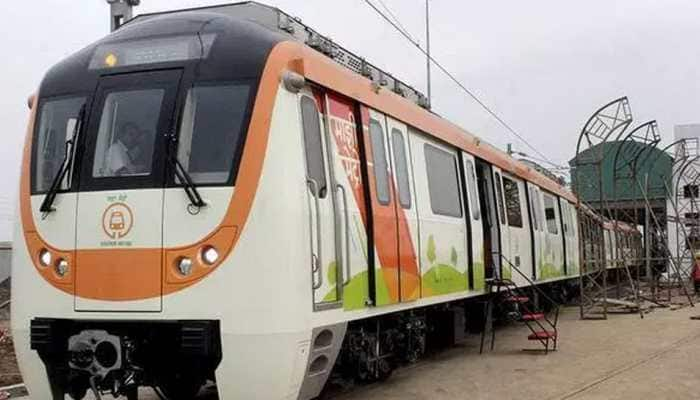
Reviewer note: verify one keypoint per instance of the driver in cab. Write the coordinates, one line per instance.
(126, 156)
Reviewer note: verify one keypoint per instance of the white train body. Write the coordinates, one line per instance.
(328, 201)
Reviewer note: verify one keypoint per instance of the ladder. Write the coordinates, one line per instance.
(505, 296)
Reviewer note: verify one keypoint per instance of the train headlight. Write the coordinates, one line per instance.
(210, 255)
(62, 267)
(184, 266)
(45, 257)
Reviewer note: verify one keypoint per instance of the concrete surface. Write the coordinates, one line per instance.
(624, 358)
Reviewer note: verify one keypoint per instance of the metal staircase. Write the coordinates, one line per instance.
(511, 303)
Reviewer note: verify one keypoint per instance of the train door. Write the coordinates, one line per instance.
(351, 199)
(444, 252)
(120, 198)
(322, 204)
(406, 210)
(505, 256)
(575, 241)
(475, 220)
(518, 225)
(489, 219)
(570, 244)
(553, 266)
(538, 234)
(384, 271)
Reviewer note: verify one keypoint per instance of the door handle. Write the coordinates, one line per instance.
(346, 228)
(316, 259)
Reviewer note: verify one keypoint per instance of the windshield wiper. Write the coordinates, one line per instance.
(47, 204)
(184, 177)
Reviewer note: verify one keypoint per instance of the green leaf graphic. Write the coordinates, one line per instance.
(431, 249)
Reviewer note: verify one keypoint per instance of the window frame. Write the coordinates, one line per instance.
(72, 176)
(105, 152)
(397, 133)
(517, 222)
(169, 80)
(554, 209)
(323, 185)
(383, 200)
(499, 198)
(472, 189)
(431, 189)
(533, 209)
(242, 135)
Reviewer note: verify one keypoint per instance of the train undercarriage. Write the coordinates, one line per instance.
(176, 358)
(374, 348)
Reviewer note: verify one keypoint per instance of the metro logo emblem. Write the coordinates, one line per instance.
(117, 220)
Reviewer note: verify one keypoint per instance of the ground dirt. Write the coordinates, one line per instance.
(9, 374)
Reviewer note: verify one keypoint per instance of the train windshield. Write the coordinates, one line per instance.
(56, 126)
(127, 133)
(211, 131)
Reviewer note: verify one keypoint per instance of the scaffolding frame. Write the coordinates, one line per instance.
(614, 117)
(634, 149)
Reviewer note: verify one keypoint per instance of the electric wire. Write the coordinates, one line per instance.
(454, 79)
(397, 21)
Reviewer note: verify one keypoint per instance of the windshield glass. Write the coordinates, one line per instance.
(211, 131)
(56, 126)
(127, 133)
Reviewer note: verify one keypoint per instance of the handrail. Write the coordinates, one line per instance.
(346, 226)
(316, 264)
(540, 291)
(530, 281)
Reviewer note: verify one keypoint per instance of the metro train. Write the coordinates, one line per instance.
(206, 197)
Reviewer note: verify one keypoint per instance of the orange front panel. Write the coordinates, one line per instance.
(118, 275)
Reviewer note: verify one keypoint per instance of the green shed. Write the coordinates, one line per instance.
(635, 161)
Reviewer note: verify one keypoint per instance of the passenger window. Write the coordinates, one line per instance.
(533, 208)
(471, 179)
(315, 166)
(551, 214)
(56, 126)
(513, 210)
(539, 209)
(499, 199)
(211, 131)
(401, 168)
(381, 168)
(568, 226)
(443, 182)
(127, 133)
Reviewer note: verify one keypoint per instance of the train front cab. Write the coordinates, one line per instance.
(142, 161)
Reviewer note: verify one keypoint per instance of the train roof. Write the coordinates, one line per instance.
(276, 20)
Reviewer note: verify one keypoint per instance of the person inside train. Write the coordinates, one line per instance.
(126, 156)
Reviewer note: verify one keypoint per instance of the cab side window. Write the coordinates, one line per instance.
(313, 147)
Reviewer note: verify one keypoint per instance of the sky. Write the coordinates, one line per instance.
(544, 66)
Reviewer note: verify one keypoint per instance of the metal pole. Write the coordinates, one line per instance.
(121, 11)
(427, 40)
(647, 235)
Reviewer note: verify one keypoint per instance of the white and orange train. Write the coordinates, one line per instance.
(209, 195)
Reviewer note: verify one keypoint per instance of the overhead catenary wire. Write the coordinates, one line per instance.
(398, 27)
(402, 28)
